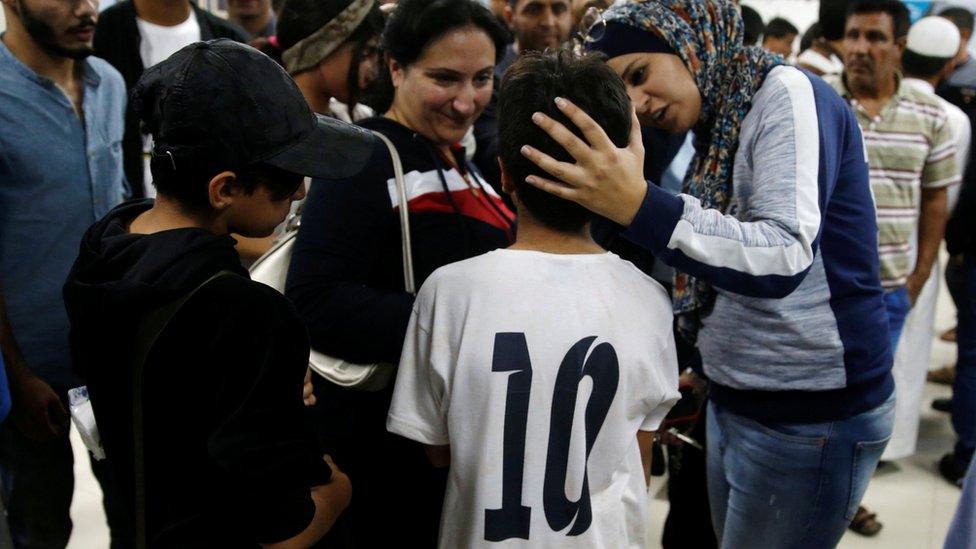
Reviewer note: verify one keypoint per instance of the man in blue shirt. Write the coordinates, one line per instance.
(61, 124)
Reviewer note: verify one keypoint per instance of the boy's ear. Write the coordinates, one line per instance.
(222, 190)
(508, 186)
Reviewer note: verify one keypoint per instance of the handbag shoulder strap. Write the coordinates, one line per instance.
(408, 279)
(147, 334)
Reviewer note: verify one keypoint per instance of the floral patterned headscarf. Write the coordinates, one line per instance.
(707, 36)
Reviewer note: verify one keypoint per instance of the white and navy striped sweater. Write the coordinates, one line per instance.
(799, 331)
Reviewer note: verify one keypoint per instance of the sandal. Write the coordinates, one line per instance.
(945, 375)
(865, 523)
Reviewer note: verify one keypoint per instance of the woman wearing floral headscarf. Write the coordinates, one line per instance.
(776, 242)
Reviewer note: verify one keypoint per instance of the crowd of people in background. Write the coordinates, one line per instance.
(529, 253)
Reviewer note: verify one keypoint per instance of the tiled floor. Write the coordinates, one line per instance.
(912, 501)
(909, 496)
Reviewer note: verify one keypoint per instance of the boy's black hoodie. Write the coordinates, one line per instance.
(229, 456)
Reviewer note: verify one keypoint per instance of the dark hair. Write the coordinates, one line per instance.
(754, 26)
(813, 33)
(833, 18)
(415, 24)
(780, 28)
(188, 184)
(922, 66)
(530, 85)
(901, 19)
(960, 17)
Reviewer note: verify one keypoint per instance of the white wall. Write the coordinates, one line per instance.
(802, 13)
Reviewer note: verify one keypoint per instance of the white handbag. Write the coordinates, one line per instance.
(272, 269)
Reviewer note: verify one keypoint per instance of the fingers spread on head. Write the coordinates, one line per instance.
(556, 188)
(563, 171)
(576, 147)
(636, 139)
(591, 130)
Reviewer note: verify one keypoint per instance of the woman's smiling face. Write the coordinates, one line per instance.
(443, 92)
(662, 89)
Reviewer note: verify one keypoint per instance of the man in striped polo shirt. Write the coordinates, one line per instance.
(910, 150)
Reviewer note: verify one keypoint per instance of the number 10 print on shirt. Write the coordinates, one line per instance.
(511, 354)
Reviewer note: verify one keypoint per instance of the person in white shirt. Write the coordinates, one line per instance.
(157, 43)
(133, 35)
(926, 63)
(538, 373)
(931, 45)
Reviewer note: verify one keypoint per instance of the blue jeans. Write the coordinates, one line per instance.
(962, 531)
(898, 306)
(961, 280)
(790, 485)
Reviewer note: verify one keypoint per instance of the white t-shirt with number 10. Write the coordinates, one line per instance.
(538, 370)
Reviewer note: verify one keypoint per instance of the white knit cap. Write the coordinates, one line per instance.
(934, 36)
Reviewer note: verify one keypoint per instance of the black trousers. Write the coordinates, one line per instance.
(397, 495)
(689, 522)
(38, 485)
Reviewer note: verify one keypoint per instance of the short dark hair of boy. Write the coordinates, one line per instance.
(833, 18)
(189, 183)
(531, 85)
(813, 33)
(901, 19)
(780, 28)
(753, 26)
(961, 17)
(922, 66)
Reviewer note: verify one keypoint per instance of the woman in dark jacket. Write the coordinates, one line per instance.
(346, 275)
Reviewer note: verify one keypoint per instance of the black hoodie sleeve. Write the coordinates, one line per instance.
(261, 439)
(346, 275)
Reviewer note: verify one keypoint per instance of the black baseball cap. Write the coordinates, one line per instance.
(226, 105)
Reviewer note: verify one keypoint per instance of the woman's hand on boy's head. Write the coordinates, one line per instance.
(605, 179)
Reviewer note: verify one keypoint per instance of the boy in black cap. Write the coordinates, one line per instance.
(202, 419)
